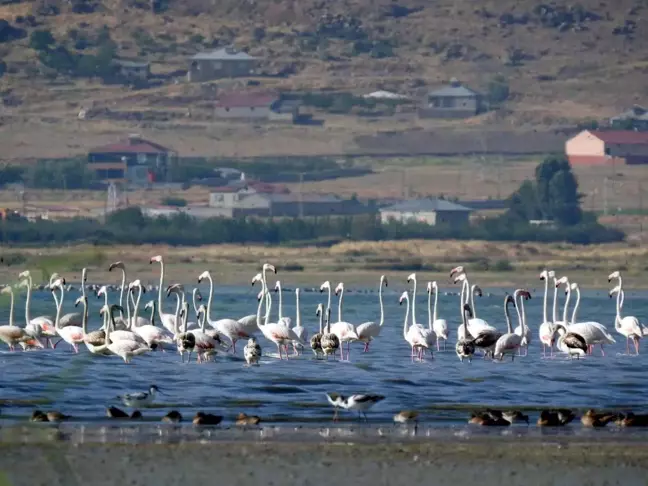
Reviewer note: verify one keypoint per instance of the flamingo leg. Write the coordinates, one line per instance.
(627, 345)
(366, 347)
(438, 346)
(348, 350)
(602, 351)
(234, 346)
(636, 343)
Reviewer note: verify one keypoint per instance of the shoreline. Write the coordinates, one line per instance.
(489, 462)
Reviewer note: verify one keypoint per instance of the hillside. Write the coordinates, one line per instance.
(564, 63)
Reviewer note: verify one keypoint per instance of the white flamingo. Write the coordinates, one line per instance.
(73, 335)
(41, 325)
(275, 332)
(299, 330)
(475, 324)
(428, 332)
(345, 331)
(628, 326)
(414, 335)
(593, 332)
(547, 330)
(125, 349)
(510, 342)
(95, 341)
(439, 326)
(167, 320)
(12, 334)
(231, 328)
(522, 329)
(368, 331)
(286, 321)
(151, 334)
(249, 322)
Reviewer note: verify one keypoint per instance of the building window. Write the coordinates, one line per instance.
(226, 109)
(141, 158)
(607, 151)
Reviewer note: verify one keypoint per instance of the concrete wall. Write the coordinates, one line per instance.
(449, 107)
(204, 70)
(243, 112)
(453, 218)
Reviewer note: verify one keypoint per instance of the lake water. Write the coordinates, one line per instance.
(292, 391)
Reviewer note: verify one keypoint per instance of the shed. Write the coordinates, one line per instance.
(227, 62)
(430, 211)
(593, 147)
(452, 101)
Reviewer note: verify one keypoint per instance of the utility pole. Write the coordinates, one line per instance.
(605, 196)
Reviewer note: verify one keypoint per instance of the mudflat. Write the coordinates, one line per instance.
(486, 462)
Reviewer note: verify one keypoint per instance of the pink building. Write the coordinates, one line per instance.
(591, 147)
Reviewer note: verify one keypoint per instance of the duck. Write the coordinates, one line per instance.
(243, 419)
(136, 415)
(632, 420)
(515, 416)
(555, 418)
(593, 419)
(116, 413)
(173, 417)
(38, 416)
(202, 418)
(56, 416)
(488, 418)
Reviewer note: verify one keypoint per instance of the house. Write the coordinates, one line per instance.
(261, 200)
(221, 63)
(256, 106)
(431, 211)
(133, 70)
(635, 118)
(453, 101)
(591, 147)
(384, 95)
(131, 160)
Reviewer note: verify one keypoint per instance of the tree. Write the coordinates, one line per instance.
(523, 203)
(557, 191)
(498, 90)
(41, 40)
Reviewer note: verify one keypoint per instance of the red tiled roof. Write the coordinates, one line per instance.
(140, 146)
(629, 137)
(246, 100)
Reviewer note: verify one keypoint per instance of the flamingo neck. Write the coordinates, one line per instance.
(508, 317)
(268, 308)
(280, 300)
(544, 302)
(414, 303)
(517, 307)
(11, 308)
(472, 301)
(136, 304)
(297, 311)
(436, 301)
(121, 292)
(152, 319)
(575, 311)
(321, 321)
(340, 304)
(380, 300)
(555, 302)
(84, 317)
(59, 304)
(209, 299)
(128, 312)
(406, 318)
(177, 314)
(28, 301)
(429, 305)
(566, 322)
(618, 308)
(160, 304)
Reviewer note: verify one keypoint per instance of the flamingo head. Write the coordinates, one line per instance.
(411, 278)
(25, 274)
(156, 259)
(429, 288)
(325, 286)
(24, 283)
(509, 300)
(202, 311)
(339, 288)
(477, 290)
(616, 274)
(277, 286)
(134, 284)
(544, 275)
(457, 270)
(573, 286)
(268, 266)
(404, 297)
(119, 265)
(383, 280)
(84, 275)
(259, 295)
(149, 305)
(460, 278)
(551, 274)
(257, 278)
(297, 291)
(524, 293)
(102, 291)
(614, 291)
(205, 274)
(103, 310)
(7, 289)
(177, 288)
(468, 310)
(58, 283)
(320, 310)
(561, 281)
(80, 300)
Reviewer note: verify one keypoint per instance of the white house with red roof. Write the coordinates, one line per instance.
(594, 147)
(256, 106)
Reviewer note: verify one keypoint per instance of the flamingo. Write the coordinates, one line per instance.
(522, 329)
(316, 339)
(299, 330)
(345, 331)
(96, 340)
(204, 344)
(628, 326)
(465, 347)
(439, 326)
(593, 332)
(167, 320)
(570, 342)
(151, 334)
(41, 325)
(414, 335)
(12, 334)
(286, 321)
(74, 318)
(546, 330)
(428, 334)
(329, 342)
(475, 323)
(510, 342)
(368, 331)
(249, 322)
(73, 335)
(231, 328)
(120, 265)
(125, 349)
(275, 332)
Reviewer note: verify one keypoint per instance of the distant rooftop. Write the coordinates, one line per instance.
(455, 89)
(246, 100)
(133, 144)
(627, 137)
(416, 205)
(223, 54)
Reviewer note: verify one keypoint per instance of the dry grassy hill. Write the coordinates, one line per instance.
(565, 62)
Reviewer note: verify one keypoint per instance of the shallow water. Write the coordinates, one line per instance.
(292, 392)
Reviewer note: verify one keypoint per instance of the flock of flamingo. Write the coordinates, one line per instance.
(125, 334)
